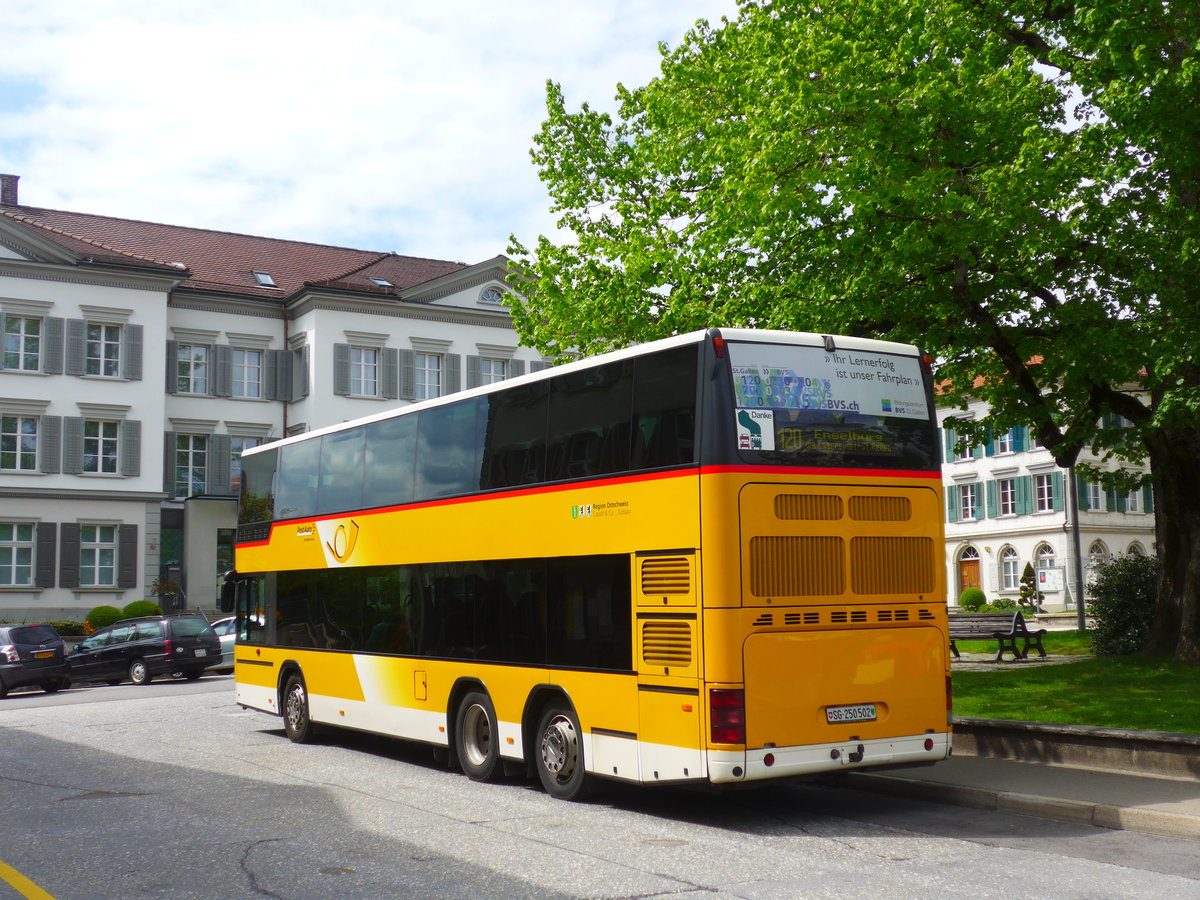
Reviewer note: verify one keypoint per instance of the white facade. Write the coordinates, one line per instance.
(126, 396)
(1008, 504)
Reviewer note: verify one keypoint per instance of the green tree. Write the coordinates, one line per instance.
(1012, 185)
(1030, 596)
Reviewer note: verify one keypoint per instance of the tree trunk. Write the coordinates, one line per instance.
(1175, 469)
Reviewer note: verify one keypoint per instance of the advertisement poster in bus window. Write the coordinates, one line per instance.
(850, 383)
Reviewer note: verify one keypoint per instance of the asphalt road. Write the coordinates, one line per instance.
(171, 791)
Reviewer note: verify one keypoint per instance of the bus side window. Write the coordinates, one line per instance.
(251, 621)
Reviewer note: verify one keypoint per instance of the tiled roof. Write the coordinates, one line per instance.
(226, 262)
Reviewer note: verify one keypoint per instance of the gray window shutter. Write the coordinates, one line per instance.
(72, 458)
(279, 375)
(50, 444)
(131, 447)
(516, 368)
(299, 371)
(43, 576)
(169, 463)
(474, 375)
(391, 373)
(990, 489)
(1081, 492)
(220, 456)
(68, 570)
(453, 373)
(222, 372)
(172, 366)
(52, 346)
(952, 504)
(538, 365)
(1148, 498)
(76, 363)
(127, 556)
(1025, 495)
(1056, 485)
(131, 352)
(408, 374)
(341, 369)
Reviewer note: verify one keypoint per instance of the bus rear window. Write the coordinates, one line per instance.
(798, 405)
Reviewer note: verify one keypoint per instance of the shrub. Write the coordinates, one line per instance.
(1122, 604)
(67, 627)
(141, 608)
(1004, 604)
(972, 598)
(1031, 597)
(102, 617)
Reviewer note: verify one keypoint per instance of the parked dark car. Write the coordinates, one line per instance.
(31, 654)
(140, 649)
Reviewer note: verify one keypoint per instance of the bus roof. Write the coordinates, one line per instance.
(762, 336)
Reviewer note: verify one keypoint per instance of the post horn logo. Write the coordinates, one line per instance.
(344, 539)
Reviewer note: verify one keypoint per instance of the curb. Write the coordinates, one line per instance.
(1146, 821)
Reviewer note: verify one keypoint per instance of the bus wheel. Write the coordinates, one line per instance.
(296, 721)
(477, 739)
(560, 753)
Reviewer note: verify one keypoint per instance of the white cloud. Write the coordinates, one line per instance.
(380, 124)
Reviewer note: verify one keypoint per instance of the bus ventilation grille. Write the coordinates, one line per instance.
(808, 507)
(666, 575)
(802, 566)
(844, 617)
(892, 565)
(880, 509)
(247, 534)
(667, 643)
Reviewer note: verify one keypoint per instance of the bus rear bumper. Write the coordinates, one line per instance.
(726, 767)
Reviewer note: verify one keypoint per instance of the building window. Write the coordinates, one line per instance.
(1044, 490)
(103, 353)
(968, 501)
(492, 370)
(1136, 549)
(191, 464)
(964, 453)
(1133, 501)
(364, 371)
(1010, 570)
(191, 369)
(18, 443)
(100, 443)
(22, 343)
(1095, 498)
(247, 373)
(1044, 557)
(428, 373)
(1097, 556)
(1006, 491)
(237, 446)
(264, 278)
(97, 555)
(492, 296)
(16, 554)
(1006, 443)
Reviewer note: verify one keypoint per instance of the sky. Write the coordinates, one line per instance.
(386, 125)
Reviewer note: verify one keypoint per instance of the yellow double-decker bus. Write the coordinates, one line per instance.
(714, 558)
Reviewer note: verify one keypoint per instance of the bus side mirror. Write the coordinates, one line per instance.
(228, 588)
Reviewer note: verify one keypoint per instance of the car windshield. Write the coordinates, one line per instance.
(33, 634)
(190, 627)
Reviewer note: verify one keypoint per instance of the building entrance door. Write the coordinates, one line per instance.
(969, 575)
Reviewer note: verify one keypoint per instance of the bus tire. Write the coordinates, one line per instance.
(558, 753)
(477, 737)
(297, 723)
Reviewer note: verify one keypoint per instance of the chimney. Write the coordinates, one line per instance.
(8, 189)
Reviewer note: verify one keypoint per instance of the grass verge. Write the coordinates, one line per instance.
(1113, 692)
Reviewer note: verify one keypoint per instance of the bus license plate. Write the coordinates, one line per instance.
(862, 713)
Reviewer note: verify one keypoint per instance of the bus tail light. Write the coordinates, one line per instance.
(719, 346)
(727, 714)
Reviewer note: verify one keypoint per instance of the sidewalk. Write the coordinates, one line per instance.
(1126, 801)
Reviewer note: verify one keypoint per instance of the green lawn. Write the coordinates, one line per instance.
(1115, 692)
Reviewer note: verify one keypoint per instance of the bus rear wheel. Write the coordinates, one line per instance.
(477, 739)
(559, 751)
(297, 723)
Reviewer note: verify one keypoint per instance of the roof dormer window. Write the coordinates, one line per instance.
(264, 279)
(382, 282)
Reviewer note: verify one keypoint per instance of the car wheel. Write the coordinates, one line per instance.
(559, 753)
(296, 720)
(113, 681)
(139, 672)
(193, 674)
(3, 689)
(52, 686)
(476, 737)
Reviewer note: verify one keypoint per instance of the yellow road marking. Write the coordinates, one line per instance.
(21, 884)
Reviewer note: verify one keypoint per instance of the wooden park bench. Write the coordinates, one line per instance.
(1004, 627)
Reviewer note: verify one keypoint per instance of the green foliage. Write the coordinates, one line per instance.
(1013, 186)
(1030, 597)
(68, 627)
(141, 608)
(1121, 601)
(102, 617)
(1004, 604)
(972, 598)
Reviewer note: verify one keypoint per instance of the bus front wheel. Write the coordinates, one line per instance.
(477, 737)
(297, 723)
(559, 752)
